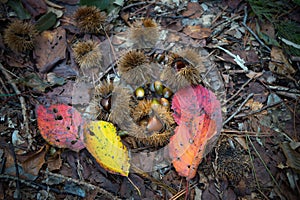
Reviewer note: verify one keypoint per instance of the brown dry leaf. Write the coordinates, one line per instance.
(35, 7)
(197, 32)
(194, 10)
(279, 64)
(55, 162)
(254, 105)
(50, 49)
(32, 162)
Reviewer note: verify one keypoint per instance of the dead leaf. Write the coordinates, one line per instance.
(254, 105)
(197, 32)
(280, 65)
(61, 125)
(50, 49)
(194, 10)
(33, 162)
(102, 141)
(198, 114)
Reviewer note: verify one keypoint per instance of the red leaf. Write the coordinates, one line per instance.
(198, 114)
(61, 126)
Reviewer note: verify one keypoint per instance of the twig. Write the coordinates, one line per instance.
(258, 111)
(33, 184)
(239, 61)
(265, 165)
(78, 182)
(49, 3)
(155, 181)
(233, 96)
(290, 43)
(22, 102)
(238, 110)
(249, 29)
(17, 192)
(182, 192)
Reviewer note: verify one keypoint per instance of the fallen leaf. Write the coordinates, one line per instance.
(50, 49)
(198, 114)
(197, 32)
(292, 156)
(33, 162)
(60, 125)
(194, 10)
(192, 102)
(102, 141)
(280, 65)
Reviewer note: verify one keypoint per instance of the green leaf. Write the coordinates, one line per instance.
(46, 21)
(17, 6)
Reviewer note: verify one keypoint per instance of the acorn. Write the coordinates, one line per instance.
(158, 87)
(167, 92)
(154, 124)
(165, 102)
(140, 93)
(155, 103)
(134, 68)
(106, 103)
(89, 19)
(20, 36)
(87, 54)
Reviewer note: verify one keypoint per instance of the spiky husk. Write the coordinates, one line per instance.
(89, 19)
(193, 57)
(103, 90)
(134, 68)
(187, 74)
(144, 33)
(87, 54)
(120, 107)
(143, 110)
(20, 36)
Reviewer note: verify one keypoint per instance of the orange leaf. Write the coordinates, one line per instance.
(60, 125)
(198, 114)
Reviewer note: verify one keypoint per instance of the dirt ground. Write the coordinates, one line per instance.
(247, 54)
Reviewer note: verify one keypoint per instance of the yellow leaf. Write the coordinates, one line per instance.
(105, 145)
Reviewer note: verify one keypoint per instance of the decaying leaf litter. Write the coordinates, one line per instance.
(250, 54)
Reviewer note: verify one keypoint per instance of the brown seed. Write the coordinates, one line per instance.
(155, 103)
(158, 87)
(164, 102)
(106, 103)
(154, 124)
(140, 93)
(167, 93)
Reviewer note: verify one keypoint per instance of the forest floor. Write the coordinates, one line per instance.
(250, 57)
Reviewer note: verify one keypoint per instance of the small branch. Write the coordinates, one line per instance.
(239, 61)
(88, 185)
(238, 110)
(233, 96)
(290, 43)
(249, 29)
(22, 102)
